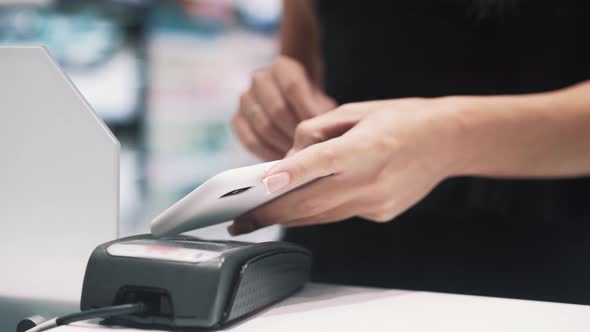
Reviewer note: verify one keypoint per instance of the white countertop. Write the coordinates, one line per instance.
(339, 308)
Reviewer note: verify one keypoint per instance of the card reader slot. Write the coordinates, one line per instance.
(158, 301)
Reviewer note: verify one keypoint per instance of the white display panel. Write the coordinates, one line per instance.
(59, 179)
(138, 249)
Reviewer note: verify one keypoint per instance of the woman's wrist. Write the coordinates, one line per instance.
(489, 132)
(452, 144)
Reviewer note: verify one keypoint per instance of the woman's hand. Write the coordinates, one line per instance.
(279, 98)
(371, 159)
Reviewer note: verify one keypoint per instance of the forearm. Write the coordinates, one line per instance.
(299, 36)
(535, 135)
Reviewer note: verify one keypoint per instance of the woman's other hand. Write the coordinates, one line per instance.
(279, 98)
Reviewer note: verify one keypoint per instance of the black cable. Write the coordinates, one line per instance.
(116, 310)
(30, 325)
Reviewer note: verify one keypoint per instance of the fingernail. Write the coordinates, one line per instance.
(276, 182)
(231, 230)
(240, 227)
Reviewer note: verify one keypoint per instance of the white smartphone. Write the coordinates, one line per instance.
(223, 197)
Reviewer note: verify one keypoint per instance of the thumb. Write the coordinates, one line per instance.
(314, 162)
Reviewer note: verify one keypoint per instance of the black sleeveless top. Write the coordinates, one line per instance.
(512, 238)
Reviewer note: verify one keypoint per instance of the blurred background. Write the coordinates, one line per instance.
(165, 76)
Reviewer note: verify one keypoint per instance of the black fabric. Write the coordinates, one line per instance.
(513, 238)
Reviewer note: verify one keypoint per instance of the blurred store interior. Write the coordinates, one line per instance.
(165, 76)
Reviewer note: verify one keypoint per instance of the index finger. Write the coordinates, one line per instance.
(314, 162)
(295, 87)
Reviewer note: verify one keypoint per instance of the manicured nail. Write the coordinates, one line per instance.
(240, 227)
(276, 182)
(231, 230)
